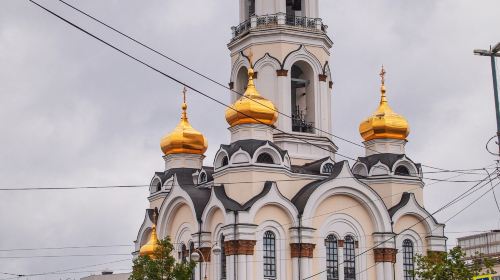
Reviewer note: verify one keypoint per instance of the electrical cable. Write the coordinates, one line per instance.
(493, 191)
(202, 75)
(185, 84)
(420, 221)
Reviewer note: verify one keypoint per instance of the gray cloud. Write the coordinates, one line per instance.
(77, 113)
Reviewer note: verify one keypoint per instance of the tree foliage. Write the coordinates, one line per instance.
(162, 266)
(452, 265)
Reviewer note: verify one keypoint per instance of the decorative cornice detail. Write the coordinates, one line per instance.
(302, 250)
(239, 247)
(385, 255)
(282, 73)
(205, 251)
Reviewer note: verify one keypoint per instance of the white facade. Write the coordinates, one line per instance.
(275, 198)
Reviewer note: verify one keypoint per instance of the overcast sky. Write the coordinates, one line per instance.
(74, 112)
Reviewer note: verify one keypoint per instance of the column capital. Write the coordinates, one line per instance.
(385, 255)
(302, 250)
(282, 73)
(239, 247)
(206, 252)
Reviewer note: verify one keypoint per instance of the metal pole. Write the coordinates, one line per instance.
(495, 91)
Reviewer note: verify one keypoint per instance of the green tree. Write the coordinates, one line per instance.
(161, 265)
(451, 265)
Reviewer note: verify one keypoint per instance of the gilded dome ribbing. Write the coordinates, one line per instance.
(384, 123)
(149, 248)
(251, 108)
(184, 139)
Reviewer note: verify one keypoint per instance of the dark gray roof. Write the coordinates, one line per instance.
(232, 205)
(250, 146)
(385, 158)
(301, 198)
(310, 168)
(405, 198)
(199, 196)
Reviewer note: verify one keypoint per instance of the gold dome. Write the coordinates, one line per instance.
(184, 139)
(251, 108)
(384, 123)
(149, 248)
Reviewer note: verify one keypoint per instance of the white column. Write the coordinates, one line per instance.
(243, 12)
(305, 266)
(388, 271)
(379, 267)
(324, 108)
(242, 267)
(230, 267)
(295, 269)
(284, 103)
(341, 260)
(250, 267)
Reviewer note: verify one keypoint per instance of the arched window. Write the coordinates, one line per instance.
(183, 253)
(225, 161)
(223, 269)
(302, 97)
(327, 168)
(191, 250)
(251, 8)
(402, 170)
(408, 261)
(203, 177)
(265, 158)
(332, 258)
(349, 258)
(269, 255)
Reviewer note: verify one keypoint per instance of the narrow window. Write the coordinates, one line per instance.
(269, 255)
(332, 258)
(265, 158)
(349, 258)
(327, 168)
(183, 253)
(191, 250)
(408, 262)
(203, 177)
(225, 161)
(223, 272)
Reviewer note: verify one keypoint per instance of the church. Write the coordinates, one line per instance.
(276, 202)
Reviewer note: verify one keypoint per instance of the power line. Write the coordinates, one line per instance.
(62, 256)
(203, 76)
(64, 248)
(32, 188)
(187, 85)
(460, 197)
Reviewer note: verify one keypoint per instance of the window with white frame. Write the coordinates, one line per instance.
(349, 258)
(408, 260)
(332, 258)
(269, 249)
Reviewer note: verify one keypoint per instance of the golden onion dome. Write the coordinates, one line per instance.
(384, 123)
(184, 139)
(251, 108)
(149, 248)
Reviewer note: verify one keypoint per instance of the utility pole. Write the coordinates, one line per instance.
(492, 53)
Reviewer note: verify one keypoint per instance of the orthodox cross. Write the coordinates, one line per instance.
(382, 75)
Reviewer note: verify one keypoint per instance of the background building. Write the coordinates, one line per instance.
(487, 243)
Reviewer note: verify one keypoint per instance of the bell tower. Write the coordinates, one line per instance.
(291, 53)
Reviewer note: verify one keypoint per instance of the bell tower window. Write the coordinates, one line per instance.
(250, 8)
(302, 97)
